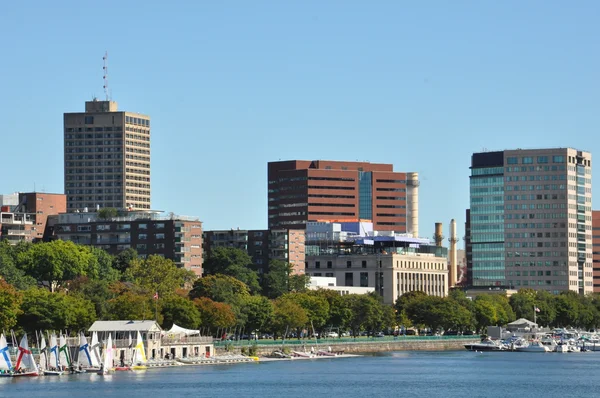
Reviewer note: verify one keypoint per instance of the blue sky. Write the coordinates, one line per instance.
(231, 85)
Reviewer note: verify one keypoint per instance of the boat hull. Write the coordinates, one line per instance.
(53, 373)
(478, 347)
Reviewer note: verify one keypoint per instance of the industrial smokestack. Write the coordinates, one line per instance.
(438, 236)
(412, 203)
(453, 253)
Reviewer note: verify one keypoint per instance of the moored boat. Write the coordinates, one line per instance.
(484, 345)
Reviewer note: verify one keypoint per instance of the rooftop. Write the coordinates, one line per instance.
(125, 326)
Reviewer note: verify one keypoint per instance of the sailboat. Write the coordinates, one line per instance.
(95, 351)
(64, 357)
(53, 361)
(107, 361)
(5, 363)
(138, 360)
(25, 363)
(86, 360)
(123, 366)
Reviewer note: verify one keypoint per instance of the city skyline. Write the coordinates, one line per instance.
(300, 82)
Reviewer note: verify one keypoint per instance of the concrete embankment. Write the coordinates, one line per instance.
(362, 346)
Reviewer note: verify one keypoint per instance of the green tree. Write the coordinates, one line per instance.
(423, 312)
(57, 261)
(402, 304)
(299, 283)
(123, 260)
(567, 309)
(9, 271)
(105, 261)
(485, 313)
(233, 262)
(287, 315)
(181, 311)
(221, 288)
(97, 291)
(215, 315)
(523, 303)
(44, 310)
(107, 213)
(544, 301)
(134, 306)
(367, 313)
(258, 311)
(10, 305)
(316, 307)
(158, 274)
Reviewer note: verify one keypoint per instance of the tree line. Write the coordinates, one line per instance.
(63, 286)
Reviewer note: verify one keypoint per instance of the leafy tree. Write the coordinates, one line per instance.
(281, 279)
(105, 261)
(215, 315)
(316, 307)
(122, 261)
(544, 301)
(299, 283)
(523, 303)
(131, 305)
(10, 302)
(567, 309)
(44, 310)
(221, 288)
(485, 313)
(258, 311)
(233, 262)
(423, 312)
(181, 311)
(402, 304)
(97, 291)
(339, 312)
(107, 213)
(10, 273)
(287, 315)
(158, 274)
(367, 313)
(57, 261)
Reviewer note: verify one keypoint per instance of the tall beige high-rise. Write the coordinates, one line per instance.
(107, 158)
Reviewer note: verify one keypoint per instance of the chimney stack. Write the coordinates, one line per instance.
(453, 254)
(438, 236)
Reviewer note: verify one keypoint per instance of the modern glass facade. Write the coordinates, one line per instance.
(487, 225)
(365, 195)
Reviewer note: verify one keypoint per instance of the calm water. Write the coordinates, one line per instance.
(413, 374)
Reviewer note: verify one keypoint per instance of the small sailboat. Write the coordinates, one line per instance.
(138, 361)
(64, 357)
(107, 361)
(5, 362)
(95, 351)
(43, 358)
(25, 365)
(53, 361)
(86, 359)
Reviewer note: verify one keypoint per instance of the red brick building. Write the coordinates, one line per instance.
(323, 190)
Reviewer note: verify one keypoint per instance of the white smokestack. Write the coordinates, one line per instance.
(453, 254)
(412, 203)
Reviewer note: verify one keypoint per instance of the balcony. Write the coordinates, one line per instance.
(112, 241)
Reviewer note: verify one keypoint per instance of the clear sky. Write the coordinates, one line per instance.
(231, 85)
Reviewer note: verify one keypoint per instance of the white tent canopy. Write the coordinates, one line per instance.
(178, 331)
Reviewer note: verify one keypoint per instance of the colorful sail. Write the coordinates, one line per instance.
(139, 353)
(63, 353)
(5, 363)
(84, 358)
(43, 363)
(25, 358)
(95, 351)
(53, 362)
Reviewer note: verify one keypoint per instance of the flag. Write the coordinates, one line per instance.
(156, 296)
(537, 309)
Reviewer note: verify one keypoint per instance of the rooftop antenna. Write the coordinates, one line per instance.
(105, 70)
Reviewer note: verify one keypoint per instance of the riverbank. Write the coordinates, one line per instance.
(351, 346)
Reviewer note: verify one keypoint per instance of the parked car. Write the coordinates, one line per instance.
(331, 334)
(379, 334)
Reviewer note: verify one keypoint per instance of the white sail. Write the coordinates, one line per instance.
(63, 353)
(25, 358)
(108, 355)
(5, 363)
(139, 353)
(95, 351)
(43, 363)
(84, 358)
(53, 362)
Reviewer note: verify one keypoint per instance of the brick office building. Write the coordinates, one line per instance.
(300, 191)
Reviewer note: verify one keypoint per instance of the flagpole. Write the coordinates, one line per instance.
(534, 315)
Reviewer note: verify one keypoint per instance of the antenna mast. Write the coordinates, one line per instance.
(105, 77)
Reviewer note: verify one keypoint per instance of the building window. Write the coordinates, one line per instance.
(143, 226)
(89, 120)
(159, 236)
(364, 263)
(329, 274)
(364, 279)
(142, 236)
(329, 264)
(527, 160)
(317, 264)
(348, 264)
(512, 160)
(349, 279)
(160, 226)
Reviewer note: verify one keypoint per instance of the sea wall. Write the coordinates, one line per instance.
(363, 346)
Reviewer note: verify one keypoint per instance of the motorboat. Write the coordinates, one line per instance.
(485, 345)
(534, 346)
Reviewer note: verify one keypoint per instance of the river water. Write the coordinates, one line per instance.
(415, 374)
